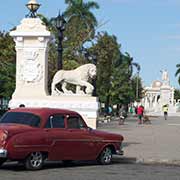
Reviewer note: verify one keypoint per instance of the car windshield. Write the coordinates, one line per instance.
(21, 118)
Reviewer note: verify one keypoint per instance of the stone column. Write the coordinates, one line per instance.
(31, 38)
(165, 95)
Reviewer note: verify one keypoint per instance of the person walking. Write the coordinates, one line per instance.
(140, 111)
(165, 110)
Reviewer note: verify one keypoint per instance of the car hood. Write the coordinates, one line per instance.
(14, 128)
(108, 135)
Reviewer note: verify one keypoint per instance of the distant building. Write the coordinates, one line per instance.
(158, 94)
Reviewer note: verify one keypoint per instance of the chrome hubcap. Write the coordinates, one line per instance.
(36, 159)
(107, 155)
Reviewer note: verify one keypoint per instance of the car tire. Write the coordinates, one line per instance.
(105, 158)
(34, 161)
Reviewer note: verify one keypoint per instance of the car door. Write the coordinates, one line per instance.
(56, 136)
(81, 140)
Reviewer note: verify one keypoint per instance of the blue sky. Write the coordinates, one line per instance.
(148, 29)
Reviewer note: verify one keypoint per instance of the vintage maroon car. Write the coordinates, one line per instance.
(33, 135)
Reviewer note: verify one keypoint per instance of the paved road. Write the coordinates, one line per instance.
(155, 142)
(92, 171)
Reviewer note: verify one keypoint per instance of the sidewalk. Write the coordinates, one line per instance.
(158, 142)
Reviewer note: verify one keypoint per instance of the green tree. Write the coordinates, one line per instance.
(136, 79)
(121, 85)
(131, 63)
(115, 82)
(107, 52)
(7, 46)
(137, 88)
(122, 90)
(7, 79)
(82, 10)
(7, 65)
(177, 94)
(81, 23)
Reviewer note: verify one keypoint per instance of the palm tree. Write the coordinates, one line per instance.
(132, 64)
(80, 27)
(138, 67)
(178, 72)
(81, 12)
(78, 8)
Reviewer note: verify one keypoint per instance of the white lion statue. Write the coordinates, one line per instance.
(78, 77)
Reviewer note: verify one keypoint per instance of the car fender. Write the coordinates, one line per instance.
(109, 144)
(20, 145)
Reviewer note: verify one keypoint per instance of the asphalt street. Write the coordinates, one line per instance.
(92, 171)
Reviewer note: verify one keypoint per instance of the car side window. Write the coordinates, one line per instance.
(75, 122)
(55, 121)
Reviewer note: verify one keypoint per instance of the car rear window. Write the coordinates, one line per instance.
(24, 118)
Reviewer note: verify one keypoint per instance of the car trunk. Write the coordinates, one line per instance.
(7, 130)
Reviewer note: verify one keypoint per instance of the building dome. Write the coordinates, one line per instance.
(156, 84)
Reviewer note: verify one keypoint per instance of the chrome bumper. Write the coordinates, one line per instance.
(3, 153)
(119, 152)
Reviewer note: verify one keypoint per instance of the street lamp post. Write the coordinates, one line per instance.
(33, 6)
(60, 26)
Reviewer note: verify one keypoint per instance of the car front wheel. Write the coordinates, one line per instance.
(105, 157)
(34, 161)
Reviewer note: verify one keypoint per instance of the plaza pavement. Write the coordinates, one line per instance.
(158, 142)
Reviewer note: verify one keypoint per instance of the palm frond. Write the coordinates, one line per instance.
(179, 80)
(91, 5)
(177, 72)
(138, 67)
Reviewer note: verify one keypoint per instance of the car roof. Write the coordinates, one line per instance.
(41, 111)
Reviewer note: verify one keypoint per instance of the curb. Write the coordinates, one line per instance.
(162, 162)
(151, 161)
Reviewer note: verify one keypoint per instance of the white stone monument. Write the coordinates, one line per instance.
(165, 89)
(160, 93)
(31, 38)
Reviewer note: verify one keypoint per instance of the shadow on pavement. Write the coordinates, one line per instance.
(18, 167)
(125, 160)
